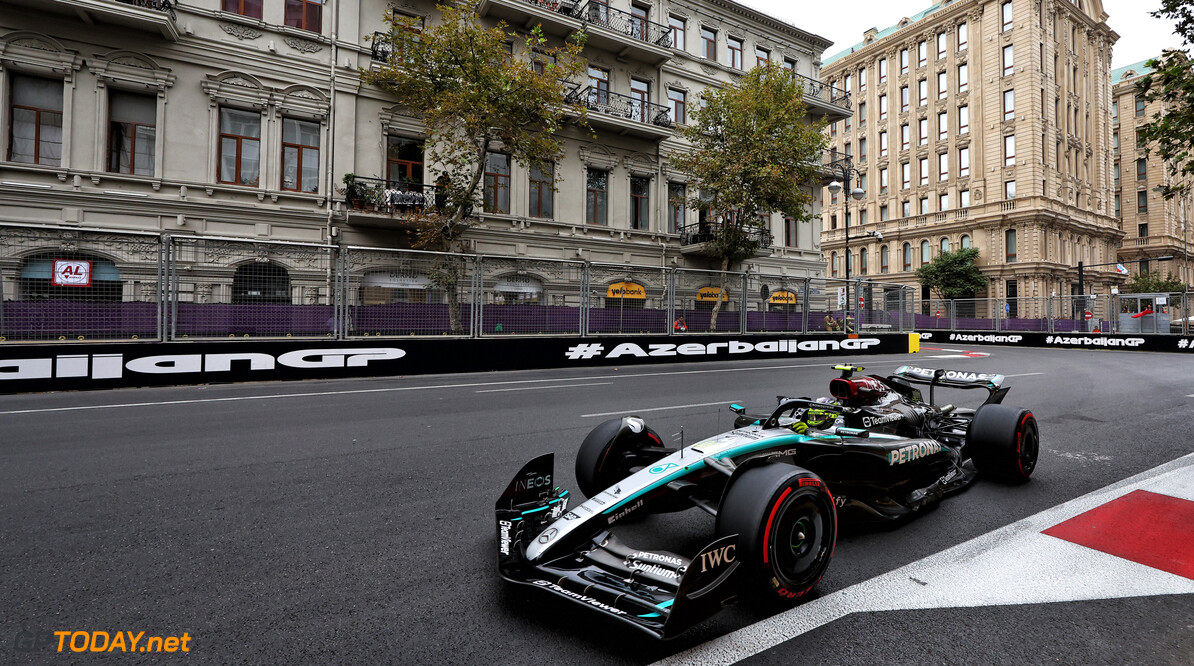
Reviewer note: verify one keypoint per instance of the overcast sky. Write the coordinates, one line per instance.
(1140, 35)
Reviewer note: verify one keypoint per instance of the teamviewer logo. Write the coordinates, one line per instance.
(583, 351)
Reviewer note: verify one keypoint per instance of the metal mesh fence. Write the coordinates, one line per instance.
(407, 292)
(776, 303)
(530, 296)
(79, 284)
(627, 299)
(59, 283)
(696, 294)
(221, 287)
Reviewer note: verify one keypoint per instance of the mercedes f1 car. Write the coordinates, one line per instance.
(877, 450)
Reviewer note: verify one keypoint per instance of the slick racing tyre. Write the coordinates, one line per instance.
(1004, 442)
(614, 450)
(787, 528)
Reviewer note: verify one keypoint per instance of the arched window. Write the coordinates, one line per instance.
(924, 253)
(518, 290)
(261, 283)
(944, 245)
(862, 267)
(883, 268)
(966, 242)
(907, 256)
(833, 264)
(69, 276)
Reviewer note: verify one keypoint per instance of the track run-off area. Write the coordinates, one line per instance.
(351, 521)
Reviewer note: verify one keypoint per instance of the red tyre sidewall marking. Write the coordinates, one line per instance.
(770, 520)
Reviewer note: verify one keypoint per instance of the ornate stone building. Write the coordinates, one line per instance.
(1153, 227)
(240, 119)
(983, 123)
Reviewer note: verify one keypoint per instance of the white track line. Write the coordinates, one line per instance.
(540, 388)
(627, 375)
(1015, 564)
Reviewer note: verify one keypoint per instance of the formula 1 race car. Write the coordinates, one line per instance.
(876, 451)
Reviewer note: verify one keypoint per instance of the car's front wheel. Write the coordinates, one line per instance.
(1004, 442)
(786, 524)
(614, 450)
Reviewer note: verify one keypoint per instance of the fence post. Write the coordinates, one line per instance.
(742, 303)
(586, 281)
(159, 296)
(671, 300)
(804, 307)
(172, 286)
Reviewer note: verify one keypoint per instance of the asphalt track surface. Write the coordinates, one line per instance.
(351, 521)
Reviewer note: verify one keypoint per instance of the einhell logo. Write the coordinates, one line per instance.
(114, 366)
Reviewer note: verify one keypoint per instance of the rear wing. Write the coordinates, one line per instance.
(963, 379)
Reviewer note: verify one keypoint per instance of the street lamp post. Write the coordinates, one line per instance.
(845, 171)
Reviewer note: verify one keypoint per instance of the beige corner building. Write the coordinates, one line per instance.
(986, 124)
(1153, 227)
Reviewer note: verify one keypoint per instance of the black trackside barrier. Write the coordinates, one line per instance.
(31, 368)
(1151, 343)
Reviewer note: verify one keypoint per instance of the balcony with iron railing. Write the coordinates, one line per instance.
(697, 238)
(557, 18)
(830, 101)
(625, 33)
(156, 16)
(368, 199)
(624, 114)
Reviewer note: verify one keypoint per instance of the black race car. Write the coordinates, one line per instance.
(776, 484)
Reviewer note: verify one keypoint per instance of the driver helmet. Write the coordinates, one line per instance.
(821, 418)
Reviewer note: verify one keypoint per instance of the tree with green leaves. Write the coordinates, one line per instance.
(1170, 134)
(953, 275)
(755, 151)
(1148, 282)
(474, 97)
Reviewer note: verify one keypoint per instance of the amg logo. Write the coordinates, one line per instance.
(625, 512)
(717, 557)
(913, 452)
(578, 597)
(504, 536)
(113, 366)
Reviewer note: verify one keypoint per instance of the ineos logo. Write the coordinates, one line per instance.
(532, 482)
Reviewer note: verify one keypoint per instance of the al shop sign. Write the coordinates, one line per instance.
(72, 273)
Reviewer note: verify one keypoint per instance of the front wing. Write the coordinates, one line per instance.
(658, 592)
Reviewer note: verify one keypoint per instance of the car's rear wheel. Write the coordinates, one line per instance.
(787, 529)
(614, 450)
(1004, 442)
